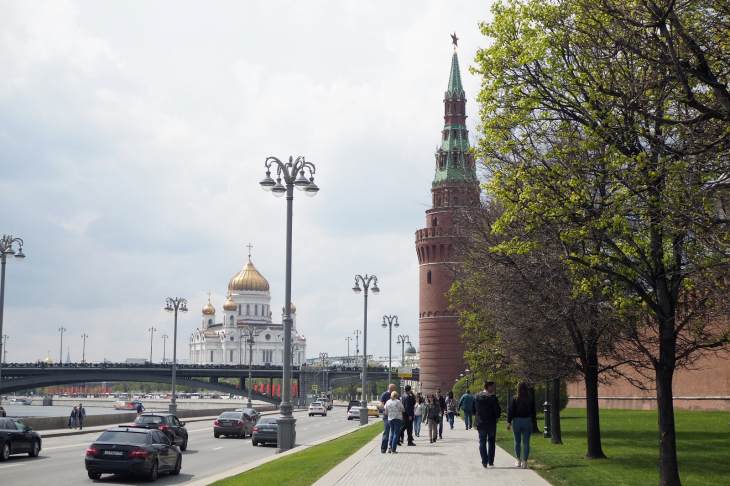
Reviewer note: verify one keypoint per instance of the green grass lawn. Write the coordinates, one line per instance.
(305, 467)
(630, 440)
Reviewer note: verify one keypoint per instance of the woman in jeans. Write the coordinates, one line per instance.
(520, 415)
(418, 415)
(433, 417)
(450, 409)
(394, 410)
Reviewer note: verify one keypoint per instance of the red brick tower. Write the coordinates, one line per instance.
(454, 187)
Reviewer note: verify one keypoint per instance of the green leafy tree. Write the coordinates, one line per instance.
(609, 120)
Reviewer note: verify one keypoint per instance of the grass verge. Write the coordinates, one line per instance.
(631, 442)
(305, 467)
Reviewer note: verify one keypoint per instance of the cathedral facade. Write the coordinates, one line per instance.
(245, 314)
(455, 187)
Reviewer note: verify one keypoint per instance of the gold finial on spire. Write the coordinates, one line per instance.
(454, 40)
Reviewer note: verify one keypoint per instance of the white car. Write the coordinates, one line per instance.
(316, 408)
(353, 413)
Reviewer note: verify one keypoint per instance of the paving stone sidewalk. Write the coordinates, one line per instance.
(453, 460)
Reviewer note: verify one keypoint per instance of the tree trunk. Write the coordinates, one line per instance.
(595, 450)
(668, 467)
(555, 437)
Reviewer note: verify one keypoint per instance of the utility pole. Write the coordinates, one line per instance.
(357, 343)
(165, 337)
(5, 347)
(83, 347)
(348, 339)
(152, 331)
(60, 349)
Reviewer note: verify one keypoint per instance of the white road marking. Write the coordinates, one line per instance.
(217, 448)
(14, 465)
(66, 446)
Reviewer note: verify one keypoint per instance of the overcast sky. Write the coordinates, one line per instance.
(132, 140)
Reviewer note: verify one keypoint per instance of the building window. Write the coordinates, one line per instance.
(210, 322)
(239, 309)
(428, 277)
(255, 309)
(268, 355)
(230, 355)
(248, 309)
(231, 319)
(211, 356)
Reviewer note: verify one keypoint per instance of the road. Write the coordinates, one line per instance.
(61, 462)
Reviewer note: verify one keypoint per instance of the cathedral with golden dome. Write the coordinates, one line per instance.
(222, 338)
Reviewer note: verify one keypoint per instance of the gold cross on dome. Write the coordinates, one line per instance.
(250, 247)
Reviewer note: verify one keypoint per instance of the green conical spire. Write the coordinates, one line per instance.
(455, 89)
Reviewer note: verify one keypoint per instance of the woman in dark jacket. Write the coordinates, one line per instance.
(519, 418)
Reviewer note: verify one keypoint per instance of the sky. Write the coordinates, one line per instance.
(133, 136)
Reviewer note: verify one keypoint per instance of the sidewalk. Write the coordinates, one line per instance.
(453, 460)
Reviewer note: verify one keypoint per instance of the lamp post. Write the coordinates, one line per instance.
(152, 331)
(4, 346)
(175, 305)
(293, 174)
(83, 347)
(365, 281)
(402, 340)
(165, 337)
(348, 339)
(357, 333)
(60, 348)
(390, 322)
(323, 357)
(7, 247)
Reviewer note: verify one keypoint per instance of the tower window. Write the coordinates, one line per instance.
(210, 322)
(231, 319)
(428, 277)
(435, 221)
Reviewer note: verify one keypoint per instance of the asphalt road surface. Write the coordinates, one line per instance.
(61, 461)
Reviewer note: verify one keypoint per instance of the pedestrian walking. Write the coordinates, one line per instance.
(395, 410)
(419, 415)
(450, 409)
(80, 416)
(433, 416)
(520, 415)
(442, 407)
(386, 425)
(409, 405)
(466, 404)
(487, 410)
(73, 418)
(140, 408)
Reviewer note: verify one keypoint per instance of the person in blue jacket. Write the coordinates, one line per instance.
(466, 403)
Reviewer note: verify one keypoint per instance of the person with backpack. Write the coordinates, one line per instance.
(466, 403)
(451, 407)
(520, 415)
(487, 411)
(433, 417)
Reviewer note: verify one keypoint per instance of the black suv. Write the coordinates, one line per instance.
(17, 438)
(172, 427)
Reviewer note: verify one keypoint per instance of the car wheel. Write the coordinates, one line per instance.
(178, 466)
(94, 476)
(154, 472)
(310, 414)
(35, 449)
(254, 443)
(216, 434)
(184, 445)
(5, 452)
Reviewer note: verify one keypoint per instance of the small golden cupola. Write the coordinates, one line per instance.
(229, 305)
(208, 309)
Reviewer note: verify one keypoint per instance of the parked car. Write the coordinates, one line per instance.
(265, 431)
(317, 408)
(233, 424)
(373, 410)
(352, 403)
(353, 413)
(17, 438)
(169, 424)
(132, 450)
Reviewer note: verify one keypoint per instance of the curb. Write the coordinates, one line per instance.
(334, 475)
(247, 467)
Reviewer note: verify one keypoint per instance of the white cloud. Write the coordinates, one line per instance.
(132, 141)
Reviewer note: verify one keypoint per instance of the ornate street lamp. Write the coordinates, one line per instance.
(403, 339)
(250, 335)
(366, 281)
(357, 333)
(60, 349)
(152, 330)
(293, 173)
(348, 339)
(84, 336)
(165, 337)
(175, 304)
(7, 247)
(323, 357)
(390, 322)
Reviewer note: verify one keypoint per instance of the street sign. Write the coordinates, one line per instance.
(405, 373)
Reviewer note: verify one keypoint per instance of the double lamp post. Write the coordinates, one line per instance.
(8, 243)
(366, 282)
(293, 175)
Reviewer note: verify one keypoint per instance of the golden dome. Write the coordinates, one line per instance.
(248, 279)
(293, 309)
(208, 309)
(229, 305)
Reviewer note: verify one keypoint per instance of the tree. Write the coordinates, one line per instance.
(608, 120)
(522, 315)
